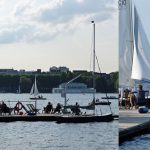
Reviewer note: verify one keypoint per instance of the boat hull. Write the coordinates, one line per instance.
(34, 98)
(59, 118)
(30, 118)
(102, 103)
(85, 119)
(109, 97)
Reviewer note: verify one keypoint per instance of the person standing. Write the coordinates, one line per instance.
(141, 96)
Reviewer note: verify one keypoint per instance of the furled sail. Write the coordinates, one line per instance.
(141, 57)
(125, 43)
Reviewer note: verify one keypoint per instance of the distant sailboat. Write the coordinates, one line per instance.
(19, 90)
(35, 93)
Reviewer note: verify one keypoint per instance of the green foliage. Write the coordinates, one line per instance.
(45, 82)
(25, 83)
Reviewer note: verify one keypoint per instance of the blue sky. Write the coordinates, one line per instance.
(44, 33)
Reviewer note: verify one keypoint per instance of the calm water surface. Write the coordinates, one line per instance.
(53, 136)
(138, 143)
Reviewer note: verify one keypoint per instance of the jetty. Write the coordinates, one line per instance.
(132, 124)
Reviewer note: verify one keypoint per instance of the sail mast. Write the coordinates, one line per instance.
(93, 73)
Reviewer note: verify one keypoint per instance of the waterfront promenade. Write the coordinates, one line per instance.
(132, 123)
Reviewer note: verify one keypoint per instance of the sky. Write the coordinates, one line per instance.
(44, 33)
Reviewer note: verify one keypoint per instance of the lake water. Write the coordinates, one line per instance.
(138, 143)
(53, 136)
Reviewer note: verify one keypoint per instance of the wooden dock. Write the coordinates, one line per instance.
(132, 124)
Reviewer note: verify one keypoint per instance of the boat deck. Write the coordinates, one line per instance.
(132, 123)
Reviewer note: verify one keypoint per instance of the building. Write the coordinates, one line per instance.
(8, 71)
(73, 88)
(63, 69)
(55, 69)
(39, 71)
(79, 71)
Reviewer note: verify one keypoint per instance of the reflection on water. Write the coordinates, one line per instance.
(138, 143)
(53, 136)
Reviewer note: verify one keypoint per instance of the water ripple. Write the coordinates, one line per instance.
(137, 143)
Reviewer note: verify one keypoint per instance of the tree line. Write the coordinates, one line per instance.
(46, 82)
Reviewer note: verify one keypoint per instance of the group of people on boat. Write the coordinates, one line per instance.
(75, 109)
(49, 108)
(40, 96)
(133, 99)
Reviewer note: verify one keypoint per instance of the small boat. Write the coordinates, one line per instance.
(38, 98)
(110, 97)
(35, 93)
(103, 103)
(19, 90)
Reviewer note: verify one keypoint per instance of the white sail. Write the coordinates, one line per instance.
(125, 43)
(34, 90)
(141, 58)
(19, 90)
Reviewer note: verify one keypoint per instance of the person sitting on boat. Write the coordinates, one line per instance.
(132, 99)
(40, 96)
(126, 98)
(58, 108)
(5, 108)
(141, 96)
(49, 108)
(77, 109)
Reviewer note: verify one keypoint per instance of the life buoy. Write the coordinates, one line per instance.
(18, 107)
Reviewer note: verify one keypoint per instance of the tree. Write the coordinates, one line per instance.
(25, 83)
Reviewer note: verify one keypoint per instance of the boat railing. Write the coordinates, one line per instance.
(17, 107)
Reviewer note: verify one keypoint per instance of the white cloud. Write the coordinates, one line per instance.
(80, 1)
(38, 20)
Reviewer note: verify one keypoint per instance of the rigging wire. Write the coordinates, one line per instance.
(102, 81)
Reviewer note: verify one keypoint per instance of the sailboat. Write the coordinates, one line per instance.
(83, 118)
(35, 95)
(134, 46)
(19, 90)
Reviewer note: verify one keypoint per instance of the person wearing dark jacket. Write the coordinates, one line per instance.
(141, 96)
(49, 108)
